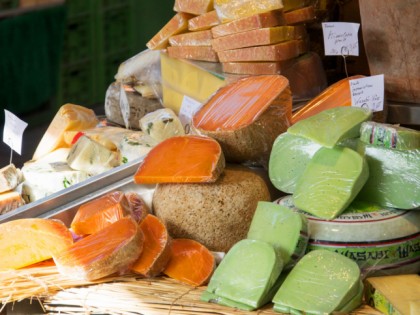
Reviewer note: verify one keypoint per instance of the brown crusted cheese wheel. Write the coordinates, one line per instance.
(215, 214)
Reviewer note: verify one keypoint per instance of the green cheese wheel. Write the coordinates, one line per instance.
(332, 125)
(330, 182)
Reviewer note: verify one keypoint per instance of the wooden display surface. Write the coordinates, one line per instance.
(120, 295)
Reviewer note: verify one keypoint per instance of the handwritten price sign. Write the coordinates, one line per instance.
(340, 38)
(13, 131)
(368, 92)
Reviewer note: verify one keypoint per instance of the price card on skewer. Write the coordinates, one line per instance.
(189, 107)
(368, 92)
(340, 38)
(13, 131)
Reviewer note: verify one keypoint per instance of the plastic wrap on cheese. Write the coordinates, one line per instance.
(203, 53)
(229, 10)
(204, 21)
(259, 37)
(198, 38)
(275, 52)
(195, 7)
(10, 200)
(135, 145)
(177, 24)
(256, 21)
(300, 16)
(10, 177)
(162, 124)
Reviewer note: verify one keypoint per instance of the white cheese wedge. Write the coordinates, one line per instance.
(59, 155)
(9, 201)
(10, 177)
(44, 179)
(91, 157)
(162, 124)
(135, 145)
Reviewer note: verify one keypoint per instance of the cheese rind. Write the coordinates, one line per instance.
(330, 182)
(68, 117)
(275, 52)
(203, 53)
(198, 38)
(203, 22)
(10, 178)
(177, 24)
(300, 16)
(91, 157)
(257, 21)
(259, 37)
(162, 124)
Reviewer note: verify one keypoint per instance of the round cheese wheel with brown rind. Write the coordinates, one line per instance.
(381, 240)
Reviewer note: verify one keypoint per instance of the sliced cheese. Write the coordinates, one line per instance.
(320, 283)
(195, 7)
(68, 117)
(230, 10)
(198, 38)
(9, 201)
(44, 179)
(91, 157)
(204, 21)
(389, 136)
(394, 177)
(162, 124)
(177, 24)
(285, 230)
(247, 273)
(10, 178)
(203, 53)
(259, 37)
(330, 182)
(300, 16)
(332, 125)
(288, 160)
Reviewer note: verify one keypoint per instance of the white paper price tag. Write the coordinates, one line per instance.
(189, 107)
(340, 38)
(368, 92)
(13, 131)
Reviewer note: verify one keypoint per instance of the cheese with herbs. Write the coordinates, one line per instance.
(135, 145)
(162, 124)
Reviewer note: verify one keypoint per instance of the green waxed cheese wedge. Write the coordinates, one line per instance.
(354, 302)
(332, 125)
(320, 283)
(389, 136)
(288, 159)
(330, 182)
(247, 273)
(284, 229)
(394, 179)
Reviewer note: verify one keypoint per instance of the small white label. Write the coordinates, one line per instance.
(189, 107)
(340, 38)
(13, 131)
(368, 92)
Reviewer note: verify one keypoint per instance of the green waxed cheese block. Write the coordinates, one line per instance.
(332, 125)
(330, 182)
(284, 229)
(289, 156)
(354, 302)
(389, 136)
(394, 179)
(320, 283)
(247, 273)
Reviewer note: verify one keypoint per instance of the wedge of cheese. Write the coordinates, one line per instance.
(91, 157)
(331, 126)
(134, 146)
(330, 182)
(256, 21)
(259, 37)
(232, 10)
(68, 117)
(162, 124)
(300, 16)
(10, 178)
(10, 200)
(275, 52)
(203, 53)
(44, 179)
(195, 7)
(177, 24)
(204, 21)
(255, 68)
(198, 38)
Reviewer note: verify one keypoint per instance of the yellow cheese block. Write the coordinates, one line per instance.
(198, 80)
(394, 294)
(172, 99)
(68, 117)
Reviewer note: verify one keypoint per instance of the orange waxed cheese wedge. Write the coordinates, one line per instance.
(191, 262)
(113, 249)
(97, 214)
(336, 95)
(182, 159)
(246, 116)
(138, 206)
(24, 242)
(156, 250)
(177, 24)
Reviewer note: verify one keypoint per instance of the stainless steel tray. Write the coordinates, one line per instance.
(63, 204)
